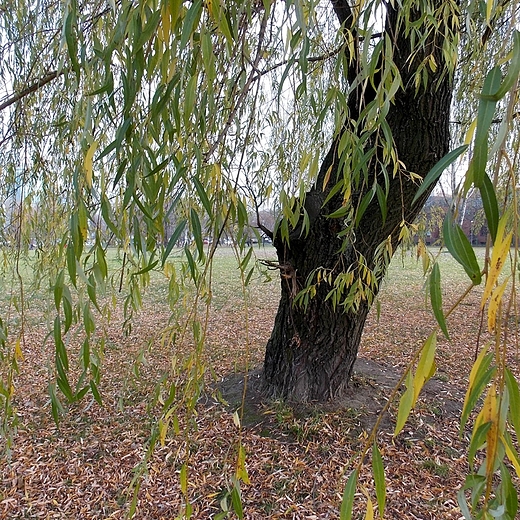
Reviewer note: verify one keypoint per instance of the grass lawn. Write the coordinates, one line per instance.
(297, 458)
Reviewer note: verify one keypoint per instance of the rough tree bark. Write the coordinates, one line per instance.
(311, 352)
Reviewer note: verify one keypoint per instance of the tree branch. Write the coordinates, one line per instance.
(33, 87)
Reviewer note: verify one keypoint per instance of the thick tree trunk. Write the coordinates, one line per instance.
(312, 349)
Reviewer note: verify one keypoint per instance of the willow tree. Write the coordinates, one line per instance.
(150, 123)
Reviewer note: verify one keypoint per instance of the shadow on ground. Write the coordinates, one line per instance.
(370, 388)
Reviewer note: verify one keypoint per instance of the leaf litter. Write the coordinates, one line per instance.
(298, 458)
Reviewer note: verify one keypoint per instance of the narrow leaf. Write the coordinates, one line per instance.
(87, 164)
(190, 21)
(437, 170)
(236, 500)
(486, 111)
(197, 232)
(425, 366)
(514, 401)
(379, 479)
(405, 404)
(479, 377)
(203, 196)
(436, 298)
(460, 248)
(512, 73)
(489, 201)
(173, 240)
(348, 496)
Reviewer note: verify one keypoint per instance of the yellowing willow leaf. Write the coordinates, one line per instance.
(369, 515)
(18, 354)
(494, 304)
(405, 404)
(471, 132)
(425, 367)
(478, 378)
(489, 414)
(511, 453)
(88, 163)
(241, 472)
(498, 257)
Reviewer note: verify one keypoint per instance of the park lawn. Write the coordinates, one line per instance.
(297, 458)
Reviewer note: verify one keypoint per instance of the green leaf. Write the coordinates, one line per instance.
(436, 298)
(56, 406)
(514, 401)
(190, 22)
(149, 267)
(173, 240)
(512, 73)
(340, 212)
(486, 111)
(379, 479)
(509, 492)
(236, 500)
(71, 263)
(461, 499)
(95, 393)
(405, 404)
(367, 199)
(67, 308)
(436, 171)
(149, 29)
(479, 377)
(72, 46)
(245, 261)
(197, 232)
(489, 201)
(348, 496)
(203, 196)
(91, 291)
(460, 248)
(478, 439)
(58, 289)
(426, 365)
(381, 198)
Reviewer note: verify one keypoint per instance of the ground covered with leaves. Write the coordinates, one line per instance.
(297, 458)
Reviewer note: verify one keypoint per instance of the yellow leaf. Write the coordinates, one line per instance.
(184, 479)
(425, 367)
(165, 16)
(327, 177)
(490, 414)
(241, 472)
(369, 515)
(494, 305)
(511, 455)
(489, 10)
(473, 375)
(500, 250)
(163, 429)
(88, 163)
(471, 132)
(18, 354)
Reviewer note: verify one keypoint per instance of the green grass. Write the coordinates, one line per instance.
(405, 276)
